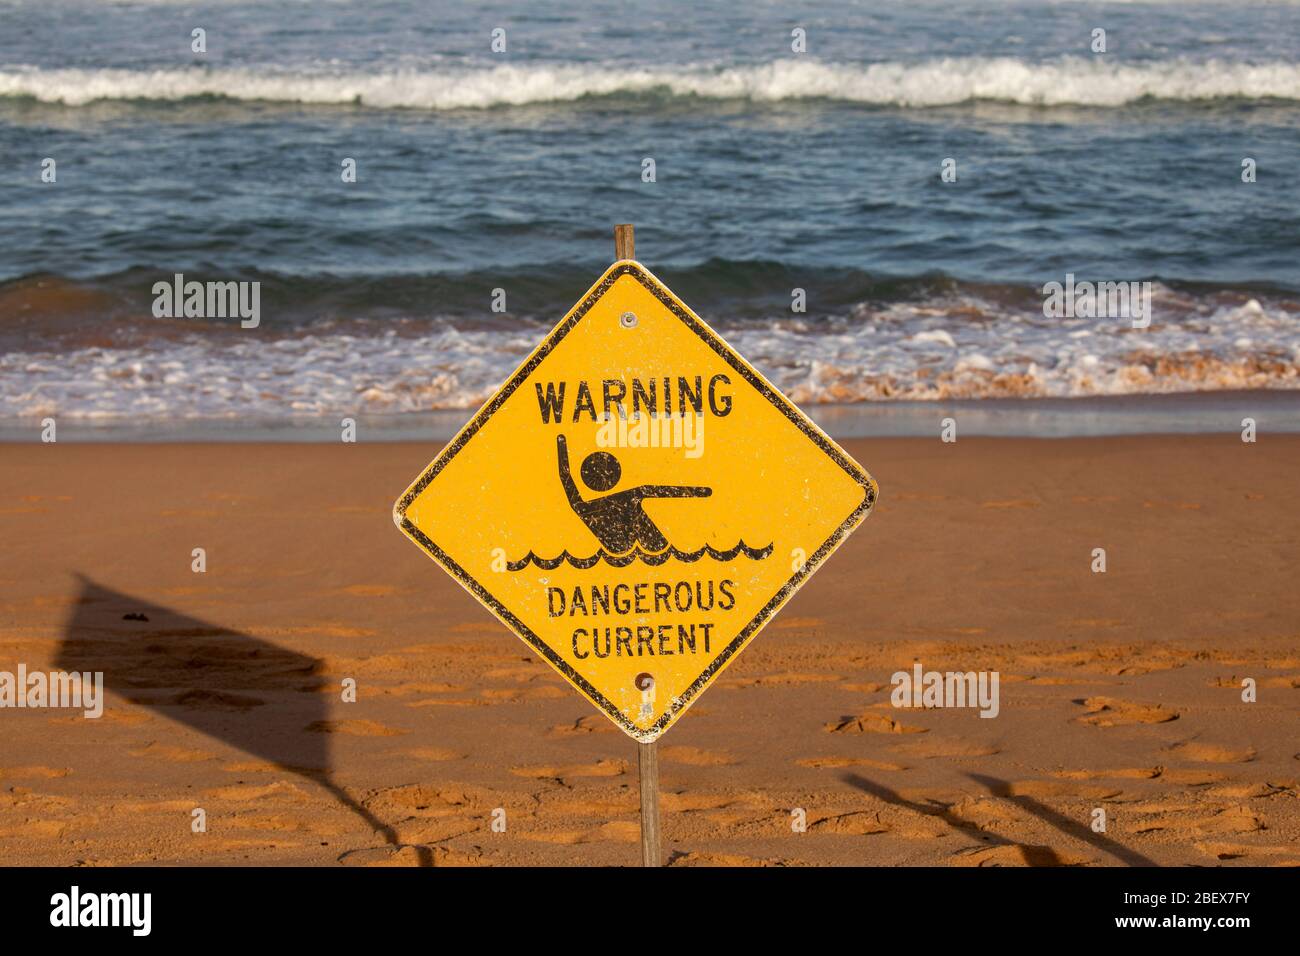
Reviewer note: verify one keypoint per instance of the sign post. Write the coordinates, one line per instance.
(647, 755)
(636, 502)
(648, 767)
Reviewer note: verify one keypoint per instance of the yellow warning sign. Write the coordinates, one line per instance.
(636, 502)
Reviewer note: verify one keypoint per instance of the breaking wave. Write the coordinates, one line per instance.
(88, 350)
(940, 82)
(654, 559)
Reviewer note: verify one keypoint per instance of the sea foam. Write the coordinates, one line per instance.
(957, 346)
(928, 83)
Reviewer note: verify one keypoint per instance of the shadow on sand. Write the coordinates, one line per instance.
(1033, 855)
(238, 689)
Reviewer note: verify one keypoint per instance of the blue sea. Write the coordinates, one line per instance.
(477, 169)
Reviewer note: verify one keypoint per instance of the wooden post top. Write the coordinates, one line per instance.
(624, 241)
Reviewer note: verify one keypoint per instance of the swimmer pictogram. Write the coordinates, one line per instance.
(619, 521)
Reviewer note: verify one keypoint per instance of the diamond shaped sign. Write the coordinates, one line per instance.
(636, 501)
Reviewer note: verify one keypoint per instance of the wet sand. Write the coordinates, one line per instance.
(1119, 691)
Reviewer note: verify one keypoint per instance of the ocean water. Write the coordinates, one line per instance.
(775, 171)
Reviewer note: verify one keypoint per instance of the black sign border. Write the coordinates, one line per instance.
(761, 385)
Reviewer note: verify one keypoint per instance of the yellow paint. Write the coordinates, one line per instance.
(494, 495)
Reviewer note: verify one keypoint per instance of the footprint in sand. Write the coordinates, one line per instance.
(1212, 753)
(1232, 820)
(1111, 712)
(871, 724)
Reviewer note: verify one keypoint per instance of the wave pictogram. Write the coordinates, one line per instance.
(654, 559)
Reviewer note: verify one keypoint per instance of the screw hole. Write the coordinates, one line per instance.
(627, 320)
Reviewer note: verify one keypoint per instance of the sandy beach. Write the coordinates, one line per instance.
(1120, 691)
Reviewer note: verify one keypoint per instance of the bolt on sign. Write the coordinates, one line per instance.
(636, 502)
